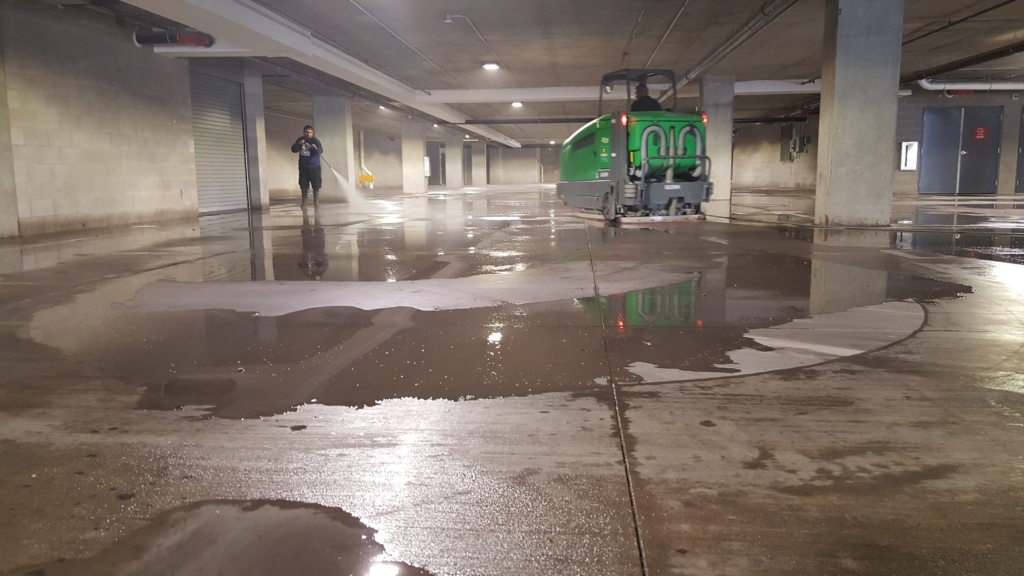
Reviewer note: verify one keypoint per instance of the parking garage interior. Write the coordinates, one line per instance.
(447, 366)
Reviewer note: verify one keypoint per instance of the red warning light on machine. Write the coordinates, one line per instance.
(981, 133)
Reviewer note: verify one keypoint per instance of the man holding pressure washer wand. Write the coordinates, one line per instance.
(309, 149)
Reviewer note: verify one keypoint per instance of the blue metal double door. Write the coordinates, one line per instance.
(960, 150)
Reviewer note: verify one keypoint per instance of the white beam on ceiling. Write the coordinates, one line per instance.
(581, 93)
(244, 28)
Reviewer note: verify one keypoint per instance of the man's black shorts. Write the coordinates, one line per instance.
(309, 176)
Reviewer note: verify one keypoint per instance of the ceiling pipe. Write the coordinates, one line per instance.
(952, 23)
(670, 27)
(485, 121)
(182, 38)
(974, 86)
(998, 53)
(766, 15)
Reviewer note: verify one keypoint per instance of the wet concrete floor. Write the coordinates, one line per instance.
(482, 383)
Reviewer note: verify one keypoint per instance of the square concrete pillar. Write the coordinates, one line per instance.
(716, 98)
(255, 137)
(859, 93)
(414, 150)
(332, 124)
(8, 189)
(479, 151)
(262, 244)
(453, 169)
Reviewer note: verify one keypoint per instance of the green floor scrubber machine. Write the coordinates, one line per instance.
(637, 165)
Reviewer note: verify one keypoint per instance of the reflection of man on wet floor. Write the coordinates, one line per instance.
(314, 247)
(309, 149)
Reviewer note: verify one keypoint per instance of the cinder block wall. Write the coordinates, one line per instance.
(756, 148)
(910, 124)
(549, 162)
(101, 130)
(756, 158)
(383, 158)
(282, 164)
(514, 165)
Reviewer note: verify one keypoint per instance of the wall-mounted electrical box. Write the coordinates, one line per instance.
(792, 142)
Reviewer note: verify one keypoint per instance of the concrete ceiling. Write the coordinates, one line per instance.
(571, 43)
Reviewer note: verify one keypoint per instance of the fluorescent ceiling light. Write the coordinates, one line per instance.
(435, 125)
(552, 142)
(491, 66)
(383, 108)
(517, 104)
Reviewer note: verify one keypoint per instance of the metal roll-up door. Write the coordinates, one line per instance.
(218, 127)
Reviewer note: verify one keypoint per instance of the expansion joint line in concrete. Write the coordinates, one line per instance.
(618, 417)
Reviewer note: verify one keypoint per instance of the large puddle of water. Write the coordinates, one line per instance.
(240, 538)
(237, 363)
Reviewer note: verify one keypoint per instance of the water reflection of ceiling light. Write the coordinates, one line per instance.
(393, 257)
(383, 570)
(494, 338)
(520, 267)
(1012, 275)
(392, 280)
(501, 218)
(469, 235)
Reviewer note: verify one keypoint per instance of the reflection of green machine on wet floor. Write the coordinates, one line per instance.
(672, 305)
(637, 163)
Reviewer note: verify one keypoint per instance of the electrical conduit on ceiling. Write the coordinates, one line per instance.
(450, 17)
(670, 27)
(402, 40)
(975, 86)
(767, 14)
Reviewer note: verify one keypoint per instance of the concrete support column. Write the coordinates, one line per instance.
(838, 287)
(332, 124)
(255, 137)
(1010, 142)
(453, 170)
(8, 190)
(414, 149)
(262, 246)
(859, 86)
(479, 151)
(716, 97)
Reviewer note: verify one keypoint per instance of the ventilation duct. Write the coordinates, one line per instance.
(182, 38)
(973, 86)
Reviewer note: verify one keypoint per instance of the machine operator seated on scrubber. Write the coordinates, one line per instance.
(644, 102)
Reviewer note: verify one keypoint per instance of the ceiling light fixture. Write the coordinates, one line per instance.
(491, 66)
(552, 142)
(449, 18)
(435, 125)
(383, 108)
(517, 104)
